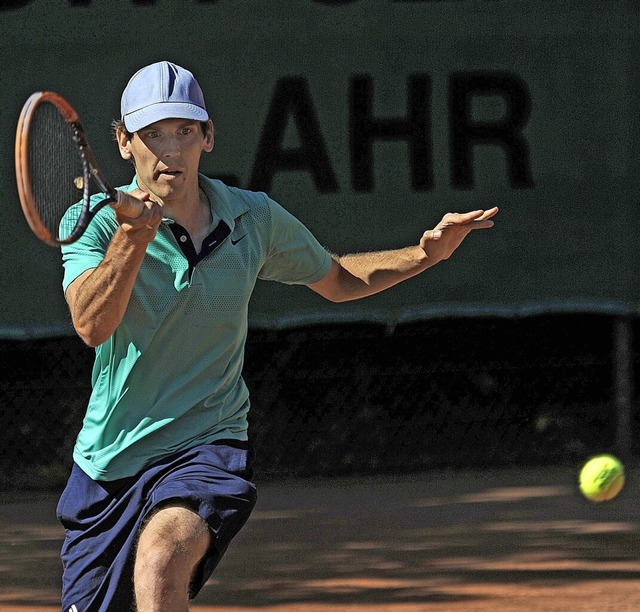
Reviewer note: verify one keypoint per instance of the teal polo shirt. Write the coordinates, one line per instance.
(170, 377)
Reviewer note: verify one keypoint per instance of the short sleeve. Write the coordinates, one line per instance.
(89, 250)
(295, 256)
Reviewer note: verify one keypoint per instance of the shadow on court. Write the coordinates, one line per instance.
(483, 540)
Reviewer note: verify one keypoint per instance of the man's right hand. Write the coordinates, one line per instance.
(138, 216)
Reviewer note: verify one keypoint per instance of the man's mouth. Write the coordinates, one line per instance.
(169, 173)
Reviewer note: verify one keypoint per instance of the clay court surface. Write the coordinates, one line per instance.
(508, 540)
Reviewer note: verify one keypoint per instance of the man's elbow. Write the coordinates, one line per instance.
(339, 285)
(338, 298)
(332, 292)
(92, 340)
(91, 334)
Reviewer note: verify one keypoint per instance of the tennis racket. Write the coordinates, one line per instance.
(57, 173)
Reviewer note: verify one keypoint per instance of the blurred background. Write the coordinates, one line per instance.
(369, 119)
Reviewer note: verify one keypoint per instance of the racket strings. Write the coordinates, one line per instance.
(56, 171)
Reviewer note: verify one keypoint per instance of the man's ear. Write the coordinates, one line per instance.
(209, 138)
(124, 144)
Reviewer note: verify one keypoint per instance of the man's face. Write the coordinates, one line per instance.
(166, 155)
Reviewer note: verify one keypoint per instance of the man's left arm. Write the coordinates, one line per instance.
(358, 275)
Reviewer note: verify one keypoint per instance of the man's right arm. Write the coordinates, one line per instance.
(98, 298)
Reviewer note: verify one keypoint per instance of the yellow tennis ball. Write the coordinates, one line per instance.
(602, 478)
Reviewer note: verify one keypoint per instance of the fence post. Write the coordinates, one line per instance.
(623, 383)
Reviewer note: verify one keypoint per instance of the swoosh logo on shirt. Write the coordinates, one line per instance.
(238, 240)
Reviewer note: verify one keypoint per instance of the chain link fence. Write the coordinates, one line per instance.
(362, 399)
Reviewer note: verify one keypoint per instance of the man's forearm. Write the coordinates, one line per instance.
(359, 275)
(377, 271)
(100, 301)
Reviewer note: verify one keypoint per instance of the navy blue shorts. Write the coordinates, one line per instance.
(102, 520)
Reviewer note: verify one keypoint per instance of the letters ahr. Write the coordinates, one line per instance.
(292, 99)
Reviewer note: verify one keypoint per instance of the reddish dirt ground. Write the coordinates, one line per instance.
(508, 540)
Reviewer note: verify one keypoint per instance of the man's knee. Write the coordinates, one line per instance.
(172, 542)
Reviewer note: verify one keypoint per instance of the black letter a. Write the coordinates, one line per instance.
(292, 97)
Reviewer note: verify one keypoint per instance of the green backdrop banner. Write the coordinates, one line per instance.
(369, 119)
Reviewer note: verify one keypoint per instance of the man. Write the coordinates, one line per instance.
(160, 285)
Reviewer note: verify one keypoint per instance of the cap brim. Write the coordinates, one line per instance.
(164, 110)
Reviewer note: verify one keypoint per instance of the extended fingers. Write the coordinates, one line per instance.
(475, 219)
(487, 214)
(474, 215)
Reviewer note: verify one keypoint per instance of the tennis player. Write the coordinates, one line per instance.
(161, 480)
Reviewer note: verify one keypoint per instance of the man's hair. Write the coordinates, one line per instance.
(118, 125)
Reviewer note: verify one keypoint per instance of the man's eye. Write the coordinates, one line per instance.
(152, 134)
(186, 131)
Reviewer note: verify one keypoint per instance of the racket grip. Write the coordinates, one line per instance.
(127, 205)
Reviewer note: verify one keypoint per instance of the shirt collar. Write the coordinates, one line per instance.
(225, 204)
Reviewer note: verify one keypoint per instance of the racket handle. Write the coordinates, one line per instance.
(127, 205)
